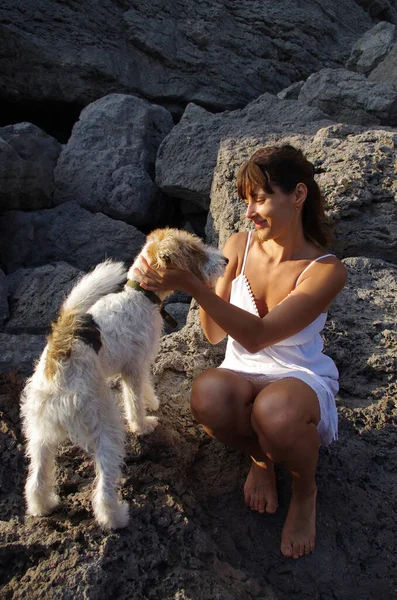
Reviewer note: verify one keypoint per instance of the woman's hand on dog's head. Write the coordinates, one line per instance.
(163, 280)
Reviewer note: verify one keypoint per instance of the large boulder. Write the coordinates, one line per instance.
(66, 233)
(187, 157)
(4, 309)
(355, 170)
(27, 160)
(220, 55)
(19, 352)
(372, 48)
(386, 71)
(349, 97)
(36, 295)
(108, 163)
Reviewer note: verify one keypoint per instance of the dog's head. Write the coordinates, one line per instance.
(178, 249)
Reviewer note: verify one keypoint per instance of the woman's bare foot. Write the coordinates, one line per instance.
(299, 532)
(260, 488)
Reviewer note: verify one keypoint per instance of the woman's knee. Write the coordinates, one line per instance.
(275, 418)
(206, 400)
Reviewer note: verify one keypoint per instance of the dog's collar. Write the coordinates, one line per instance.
(155, 300)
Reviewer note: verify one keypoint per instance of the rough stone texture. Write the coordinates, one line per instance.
(19, 352)
(4, 309)
(386, 71)
(108, 163)
(361, 332)
(355, 170)
(187, 157)
(372, 48)
(220, 54)
(27, 160)
(380, 10)
(291, 92)
(36, 296)
(349, 97)
(66, 233)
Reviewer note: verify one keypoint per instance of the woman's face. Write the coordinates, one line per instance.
(273, 214)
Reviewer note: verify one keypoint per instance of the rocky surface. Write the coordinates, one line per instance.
(372, 48)
(27, 160)
(107, 165)
(66, 233)
(190, 536)
(386, 71)
(175, 52)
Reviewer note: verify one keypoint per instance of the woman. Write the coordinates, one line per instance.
(273, 396)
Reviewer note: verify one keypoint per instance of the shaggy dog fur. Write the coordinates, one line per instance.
(68, 395)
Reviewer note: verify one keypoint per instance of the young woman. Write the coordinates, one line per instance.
(273, 396)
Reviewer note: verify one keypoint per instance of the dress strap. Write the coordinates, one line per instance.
(247, 247)
(308, 266)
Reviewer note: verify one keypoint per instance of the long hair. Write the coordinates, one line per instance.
(285, 166)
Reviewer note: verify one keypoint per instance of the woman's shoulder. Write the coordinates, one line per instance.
(327, 266)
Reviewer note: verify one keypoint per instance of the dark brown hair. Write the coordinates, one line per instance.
(285, 166)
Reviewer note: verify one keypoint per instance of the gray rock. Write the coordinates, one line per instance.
(19, 352)
(27, 160)
(36, 296)
(361, 332)
(4, 310)
(386, 71)
(372, 48)
(187, 157)
(179, 311)
(108, 163)
(291, 92)
(349, 97)
(220, 55)
(66, 233)
(356, 172)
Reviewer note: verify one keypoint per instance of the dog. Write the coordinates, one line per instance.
(102, 332)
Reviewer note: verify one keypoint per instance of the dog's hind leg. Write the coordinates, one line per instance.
(40, 493)
(149, 395)
(109, 512)
(133, 387)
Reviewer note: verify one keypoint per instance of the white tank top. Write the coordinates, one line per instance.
(300, 352)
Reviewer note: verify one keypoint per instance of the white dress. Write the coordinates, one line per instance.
(300, 356)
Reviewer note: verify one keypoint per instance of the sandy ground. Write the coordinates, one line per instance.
(190, 534)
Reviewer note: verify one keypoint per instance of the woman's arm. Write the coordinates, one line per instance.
(299, 309)
(234, 247)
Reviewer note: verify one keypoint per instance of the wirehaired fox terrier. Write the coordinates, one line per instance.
(102, 332)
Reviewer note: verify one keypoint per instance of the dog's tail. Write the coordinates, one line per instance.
(104, 279)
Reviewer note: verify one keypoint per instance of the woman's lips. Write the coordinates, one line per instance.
(260, 224)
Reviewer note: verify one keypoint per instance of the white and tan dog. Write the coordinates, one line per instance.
(101, 333)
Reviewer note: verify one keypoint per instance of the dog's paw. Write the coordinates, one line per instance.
(148, 425)
(152, 402)
(41, 506)
(115, 518)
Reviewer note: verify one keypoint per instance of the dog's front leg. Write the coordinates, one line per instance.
(133, 396)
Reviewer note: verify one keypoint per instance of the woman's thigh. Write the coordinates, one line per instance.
(223, 399)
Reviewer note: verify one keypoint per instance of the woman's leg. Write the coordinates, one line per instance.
(285, 416)
(221, 402)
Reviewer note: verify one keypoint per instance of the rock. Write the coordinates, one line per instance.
(386, 71)
(27, 160)
(291, 92)
(355, 170)
(349, 97)
(4, 311)
(220, 56)
(179, 311)
(372, 48)
(66, 233)
(361, 332)
(36, 296)
(187, 157)
(108, 163)
(19, 352)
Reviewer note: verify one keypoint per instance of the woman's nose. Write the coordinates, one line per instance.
(250, 212)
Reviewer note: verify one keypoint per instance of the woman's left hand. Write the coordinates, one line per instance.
(163, 280)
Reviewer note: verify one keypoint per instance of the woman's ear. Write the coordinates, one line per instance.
(300, 195)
